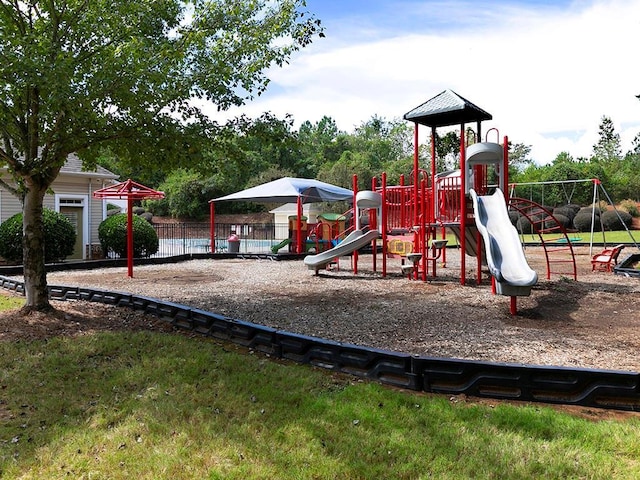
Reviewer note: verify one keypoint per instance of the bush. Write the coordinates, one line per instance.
(563, 221)
(582, 221)
(112, 233)
(575, 207)
(59, 237)
(524, 225)
(589, 211)
(513, 217)
(612, 220)
(631, 207)
(565, 211)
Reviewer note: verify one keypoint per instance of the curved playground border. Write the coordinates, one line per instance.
(610, 389)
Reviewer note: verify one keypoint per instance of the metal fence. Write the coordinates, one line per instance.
(192, 237)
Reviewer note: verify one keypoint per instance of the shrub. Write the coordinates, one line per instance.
(112, 233)
(616, 220)
(565, 211)
(582, 221)
(59, 237)
(576, 208)
(524, 225)
(589, 211)
(631, 207)
(563, 220)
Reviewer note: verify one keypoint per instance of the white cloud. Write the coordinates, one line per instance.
(547, 77)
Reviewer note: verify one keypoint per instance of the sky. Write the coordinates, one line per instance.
(546, 70)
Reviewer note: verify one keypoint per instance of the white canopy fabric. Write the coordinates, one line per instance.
(289, 190)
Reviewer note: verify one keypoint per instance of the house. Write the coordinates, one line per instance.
(72, 196)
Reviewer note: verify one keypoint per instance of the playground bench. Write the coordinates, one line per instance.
(602, 261)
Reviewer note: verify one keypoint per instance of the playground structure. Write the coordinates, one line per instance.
(412, 219)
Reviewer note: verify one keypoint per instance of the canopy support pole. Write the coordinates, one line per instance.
(130, 237)
(299, 248)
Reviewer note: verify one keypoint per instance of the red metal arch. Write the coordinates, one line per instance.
(559, 251)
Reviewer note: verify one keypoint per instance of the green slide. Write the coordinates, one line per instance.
(283, 243)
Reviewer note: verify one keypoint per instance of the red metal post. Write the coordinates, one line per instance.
(356, 214)
(423, 228)
(212, 226)
(299, 248)
(383, 224)
(374, 222)
(130, 237)
(416, 167)
(513, 308)
(463, 206)
(403, 206)
(505, 164)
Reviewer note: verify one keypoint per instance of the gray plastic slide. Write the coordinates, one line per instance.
(354, 241)
(504, 253)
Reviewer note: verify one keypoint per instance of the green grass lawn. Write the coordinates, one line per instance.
(164, 406)
(611, 238)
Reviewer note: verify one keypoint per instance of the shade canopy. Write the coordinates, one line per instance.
(128, 190)
(447, 108)
(289, 190)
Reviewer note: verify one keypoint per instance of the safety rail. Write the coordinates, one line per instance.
(549, 384)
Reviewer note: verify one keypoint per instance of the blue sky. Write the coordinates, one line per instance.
(546, 70)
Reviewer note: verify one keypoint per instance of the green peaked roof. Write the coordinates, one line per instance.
(447, 108)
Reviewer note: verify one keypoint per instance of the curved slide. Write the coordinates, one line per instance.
(365, 199)
(354, 241)
(505, 257)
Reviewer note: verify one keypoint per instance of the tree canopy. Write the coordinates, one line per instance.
(131, 76)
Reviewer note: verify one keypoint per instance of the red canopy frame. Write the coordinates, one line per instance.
(129, 191)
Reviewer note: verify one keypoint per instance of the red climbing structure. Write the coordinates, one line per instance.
(417, 213)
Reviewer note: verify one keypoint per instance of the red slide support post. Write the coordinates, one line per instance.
(356, 213)
(513, 305)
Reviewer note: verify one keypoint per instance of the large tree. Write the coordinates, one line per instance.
(81, 75)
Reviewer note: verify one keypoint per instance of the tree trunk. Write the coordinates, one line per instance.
(35, 276)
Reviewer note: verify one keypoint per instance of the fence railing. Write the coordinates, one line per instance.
(191, 237)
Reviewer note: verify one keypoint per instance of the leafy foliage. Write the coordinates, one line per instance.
(631, 207)
(615, 220)
(113, 236)
(59, 237)
(585, 222)
(186, 196)
(119, 80)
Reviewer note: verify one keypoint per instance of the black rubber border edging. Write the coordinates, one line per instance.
(611, 389)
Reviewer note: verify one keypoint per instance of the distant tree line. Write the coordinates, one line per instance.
(247, 152)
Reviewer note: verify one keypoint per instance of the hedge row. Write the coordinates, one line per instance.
(574, 217)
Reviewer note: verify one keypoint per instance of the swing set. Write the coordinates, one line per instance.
(568, 191)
